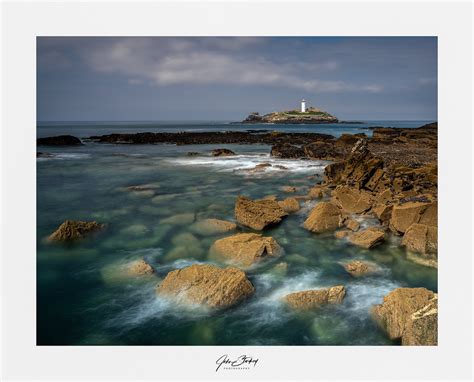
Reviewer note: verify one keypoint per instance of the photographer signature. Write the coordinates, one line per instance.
(241, 362)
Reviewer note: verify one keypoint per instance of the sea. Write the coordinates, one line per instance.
(84, 296)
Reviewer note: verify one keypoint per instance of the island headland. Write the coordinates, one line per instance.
(305, 115)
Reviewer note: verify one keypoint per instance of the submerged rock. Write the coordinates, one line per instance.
(311, 299)
(288, 189)
(209, 227)
(289, 205)
(326, 216)
(258, 214)
(60, 140)
(342, 233)
(179, 219)
(245, 249)
(140, 268)
(75, 229)
(222, 153)
(207, 285)
(359, 268)
(368, 238)
(409, 314)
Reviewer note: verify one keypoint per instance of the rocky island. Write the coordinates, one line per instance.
(310, 115)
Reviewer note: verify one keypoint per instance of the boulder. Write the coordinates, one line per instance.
(321, 150)
(421, 238)
(207, 285)
(222, 153)
(316, 193)
(209, 227)
(409, 314)
(367, 238)
(325, 216)
(258, 214)
(245, 249)
(287, 151)
(74, 230)
(404, 215)
(311, 299)
(289, 205)
(357, 170)
(60, 140)
(179, 219)
(288, 189)
(383, 212)
(352, 224)
(342, 234)
(140, 268)
(351, 200)
(359, 268)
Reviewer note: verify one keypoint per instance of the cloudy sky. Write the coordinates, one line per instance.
(208, 78)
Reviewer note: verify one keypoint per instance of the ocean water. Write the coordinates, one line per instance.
(84, 297)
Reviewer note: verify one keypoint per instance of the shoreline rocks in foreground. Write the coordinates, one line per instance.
(72, 230)
(409, 315)
(206, 285)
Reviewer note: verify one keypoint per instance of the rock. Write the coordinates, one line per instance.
(287, 151)
(270, 197)
(342, 234)
(134, 230)
(222, 153)
(368, 238)
(351, 200)
(288, 189)
(140, 268)
(326, 216)
(409, 314)
(60, 140)
(316, 193)
(192, 154)
(179, 219)
(357, 170)
(348, 139)
(74, 230)
(210, 227)
(383, 212)
(40, 154)
(360, 268)
(404, 215)
(207, 285)
(258, 214)
(352, 224)
(311, 299)
(245, 249)
(421, 238)
(289, 205)
(322, 150)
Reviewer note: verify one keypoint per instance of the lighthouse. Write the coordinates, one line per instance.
(303, 106)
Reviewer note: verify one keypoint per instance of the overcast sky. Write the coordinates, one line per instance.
(208, 78)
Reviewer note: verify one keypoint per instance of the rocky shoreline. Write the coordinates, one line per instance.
(391, 176)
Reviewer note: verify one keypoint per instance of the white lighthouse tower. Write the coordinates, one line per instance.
(303, 106)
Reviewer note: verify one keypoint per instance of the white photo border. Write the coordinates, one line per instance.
(22, 22)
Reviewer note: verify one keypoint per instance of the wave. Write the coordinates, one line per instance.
(245, 164)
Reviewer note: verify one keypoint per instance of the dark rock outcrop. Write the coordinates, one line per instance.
(60, 140)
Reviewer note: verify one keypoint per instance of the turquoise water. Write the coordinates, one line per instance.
(84, 299)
